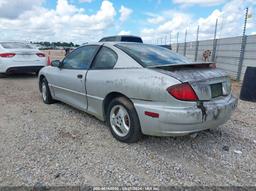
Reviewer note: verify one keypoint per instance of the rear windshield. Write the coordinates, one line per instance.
(152, 55)
(131, 39)
(15, 45)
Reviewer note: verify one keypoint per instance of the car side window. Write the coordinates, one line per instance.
(106, 59)
(80, 58)
(110, 39)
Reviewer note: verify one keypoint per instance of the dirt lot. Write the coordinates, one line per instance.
(59, 145)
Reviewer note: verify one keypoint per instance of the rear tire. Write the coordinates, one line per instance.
(46, 94)
(123, 120)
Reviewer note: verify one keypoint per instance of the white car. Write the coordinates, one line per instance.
(18, 57)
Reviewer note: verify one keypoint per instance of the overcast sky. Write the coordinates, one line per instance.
(82, 21)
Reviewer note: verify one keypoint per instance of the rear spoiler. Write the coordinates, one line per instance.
(184, 65)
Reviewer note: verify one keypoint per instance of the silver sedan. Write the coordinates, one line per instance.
(140, 89)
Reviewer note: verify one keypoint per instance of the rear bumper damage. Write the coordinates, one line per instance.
(178, 121)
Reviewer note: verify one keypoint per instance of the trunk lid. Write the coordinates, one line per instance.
(208, 83)
(23, 55)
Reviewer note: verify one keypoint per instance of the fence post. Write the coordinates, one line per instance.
(241, 57)
(185, 43)
(177, 47)
(197, 43)
(214, 42)
(171, 38)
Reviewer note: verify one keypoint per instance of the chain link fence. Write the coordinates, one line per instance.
(228, 53)
(232, 54)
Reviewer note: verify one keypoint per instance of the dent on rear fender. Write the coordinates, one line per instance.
(200, 105)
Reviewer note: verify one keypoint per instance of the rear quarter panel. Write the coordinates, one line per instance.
(136, 84)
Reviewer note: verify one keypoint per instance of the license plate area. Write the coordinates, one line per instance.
(26, 55)
(216, 90)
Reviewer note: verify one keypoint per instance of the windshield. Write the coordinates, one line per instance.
(15, 45)
(152, 55)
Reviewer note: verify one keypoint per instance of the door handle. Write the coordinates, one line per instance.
(80, 76)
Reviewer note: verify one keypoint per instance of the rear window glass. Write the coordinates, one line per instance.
(152, 55)
(15, 45)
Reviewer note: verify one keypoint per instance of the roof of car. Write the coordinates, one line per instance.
(110, 43)
(122, 36)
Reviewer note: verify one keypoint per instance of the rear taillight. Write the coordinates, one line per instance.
(40, 54)
(7, 55)
(183, 92)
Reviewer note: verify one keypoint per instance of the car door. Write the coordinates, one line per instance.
(69, 80)
(97, 81)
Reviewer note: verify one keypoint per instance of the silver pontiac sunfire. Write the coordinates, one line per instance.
(140, 89)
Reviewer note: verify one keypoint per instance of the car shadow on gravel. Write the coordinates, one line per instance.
(203, 137)
(18, 76)
(216, 143)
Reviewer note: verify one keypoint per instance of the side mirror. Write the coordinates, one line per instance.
(56, 63)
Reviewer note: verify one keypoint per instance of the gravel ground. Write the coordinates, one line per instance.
(59, 145)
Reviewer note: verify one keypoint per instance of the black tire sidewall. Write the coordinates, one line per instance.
(48, 93)
(134, 133)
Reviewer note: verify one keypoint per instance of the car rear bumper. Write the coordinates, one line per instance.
(9, 65)
(23, 69)
(178, 121)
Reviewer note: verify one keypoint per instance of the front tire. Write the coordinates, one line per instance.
(123, 120)
(46, 94)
